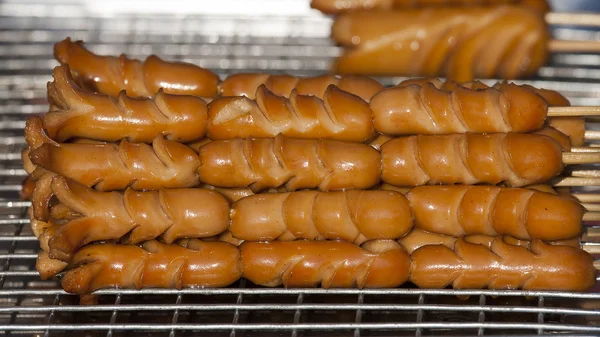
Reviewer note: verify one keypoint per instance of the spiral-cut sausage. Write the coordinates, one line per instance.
(458, 43)
(330, 264)
(339, 115)
(425, 109)
(106, 167)
(417, 238)
(521, 213)
(132, 217)
(503, 266)
(293, 163)
(354, 216)
(246, 84)
(341, 6)
(110, 75)
(573, 127)
(154, 265)
(77, 113)
(472, 158)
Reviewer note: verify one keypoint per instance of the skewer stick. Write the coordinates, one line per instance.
(587, 157)
(590, 149)
(573, 19)
(591, 135)
(575, 181)
(587, 198)
(586, 173)
(572, 111)
(591, 216)
(574, 46)
(591, 207)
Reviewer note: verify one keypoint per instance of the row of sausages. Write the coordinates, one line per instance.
(82, 215)
(263, 163)
(491, 263)
(409, 108)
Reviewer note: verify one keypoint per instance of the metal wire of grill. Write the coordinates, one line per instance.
(295, 44)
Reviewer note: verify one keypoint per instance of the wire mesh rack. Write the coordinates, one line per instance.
(292, 43)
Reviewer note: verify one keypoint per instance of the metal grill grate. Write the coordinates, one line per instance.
(230, 43)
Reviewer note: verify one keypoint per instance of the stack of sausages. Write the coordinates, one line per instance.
(153, 174)
(458, 39)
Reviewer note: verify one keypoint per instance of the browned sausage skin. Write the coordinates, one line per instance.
(522, 213)
(339, 115)
(503, 266)
(78, 113)
(354, 216)
(154, 265)
(330, 264)
(425, 109)
(246, 84)
(341, 6)
(294, 163)
(130, 217)
(515, 158)
(110, 75)
(448, 42)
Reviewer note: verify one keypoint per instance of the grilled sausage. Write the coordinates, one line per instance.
(154, 265)
(78, 113)
(518, 159)
(329, 264)
(521, 213)
(111, 166)
(573, 127)
(417, 238)
(425, 109)
(293, 163)
(246, 84)
(458, 43)
(133, 217)
(339, 115)
(341, 6)
(354, 216)
(503, 266)
(110, 75)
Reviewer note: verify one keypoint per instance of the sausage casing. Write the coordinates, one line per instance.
(78, 113)
(341, 6)
(330, 264)
(354, 216)
(107, 167)
(339, 115)
(110, 75)
(471, 158)
(293, 163)
(154, 265)
(246, 84)
(132, 216)
(425, 109)
(503, 266)
(522, 213)
(458, 43)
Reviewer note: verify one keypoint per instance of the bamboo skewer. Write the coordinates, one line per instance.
(573, 111)
(574, 46)
(583, 157)
(573, 19)
(575, 181)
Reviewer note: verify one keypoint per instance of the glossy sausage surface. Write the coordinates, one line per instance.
(458, 43)
(354, 216)
(79, 113)
(521, 213)
(154, 265)
(329, 264)
(110, 75)
(472, 158)
(339, 115)
(503, 266)
(246, 84)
